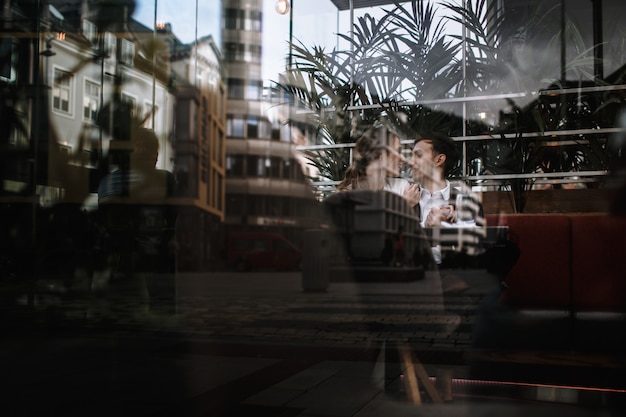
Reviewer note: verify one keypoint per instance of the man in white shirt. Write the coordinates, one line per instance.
(434, 156)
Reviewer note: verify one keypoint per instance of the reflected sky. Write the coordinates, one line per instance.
(314, 23)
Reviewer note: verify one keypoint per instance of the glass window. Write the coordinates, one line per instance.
(132, 102)
(235, 126)
(275, 129)
(234, 166)
(287, 169)
(533, 93)
(234, 51)
(253, 53)
(127, 52)
(274, 168)
(91, 101)
(90, 31)
(235, 89)
(109, 44)
(254, 89)
(8, 59)
(261, 166)
(264, 129)
(62, 91)
(233, 19)
(253, 127)
(253, 20)
(256, 17)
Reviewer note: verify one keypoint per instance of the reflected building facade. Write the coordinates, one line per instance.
(200, 150)
(75, 77)
(265, 185)
(526, 316)
(73, 80)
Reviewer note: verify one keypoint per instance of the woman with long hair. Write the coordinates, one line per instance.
(374, 161)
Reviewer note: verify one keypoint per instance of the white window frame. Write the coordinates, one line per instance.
(90, 31)
(127, 51)
(133, 100)
(109, 44)
(70, 92)
(89, 100)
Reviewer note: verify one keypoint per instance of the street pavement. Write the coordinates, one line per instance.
(258, 343)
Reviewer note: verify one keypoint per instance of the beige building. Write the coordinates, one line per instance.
(200, 149)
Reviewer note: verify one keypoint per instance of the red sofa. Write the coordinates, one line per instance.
(568, 287)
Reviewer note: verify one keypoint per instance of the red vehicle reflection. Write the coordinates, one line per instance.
(262, 250)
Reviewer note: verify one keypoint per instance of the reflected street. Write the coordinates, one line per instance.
(249, 334)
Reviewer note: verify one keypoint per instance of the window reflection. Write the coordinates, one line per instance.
(91, 101)
(526, 308)
(62, 91)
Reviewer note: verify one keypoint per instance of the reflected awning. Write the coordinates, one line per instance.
(357, 4)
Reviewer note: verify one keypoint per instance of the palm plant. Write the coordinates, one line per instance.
(502, 56)
(400, 56)
(395, 64)
(426, 63)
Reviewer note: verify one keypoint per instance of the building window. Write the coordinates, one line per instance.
(220, 145)
(234, 51)
(262, 164)
(262, 129)
(90, 31)
(62, 91)
(230, 19)
(109, 44)
(235, 88)
(274, 168)
(233, 19)
(275, 133)
(132, 102)
(8, 60)
(253, 53)
(220, 102)
(235, 127)
(234, 166)
(256, 20)
(254, 165)
(219, 202)
(127, 52)
(254, 89)
(91, 101)
(253, 127)
(287, 169)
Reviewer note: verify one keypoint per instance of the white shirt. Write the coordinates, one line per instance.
(436, 199)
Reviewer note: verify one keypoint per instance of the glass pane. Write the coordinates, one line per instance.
(444, 181)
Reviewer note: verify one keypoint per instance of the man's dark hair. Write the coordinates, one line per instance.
(442, 144)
